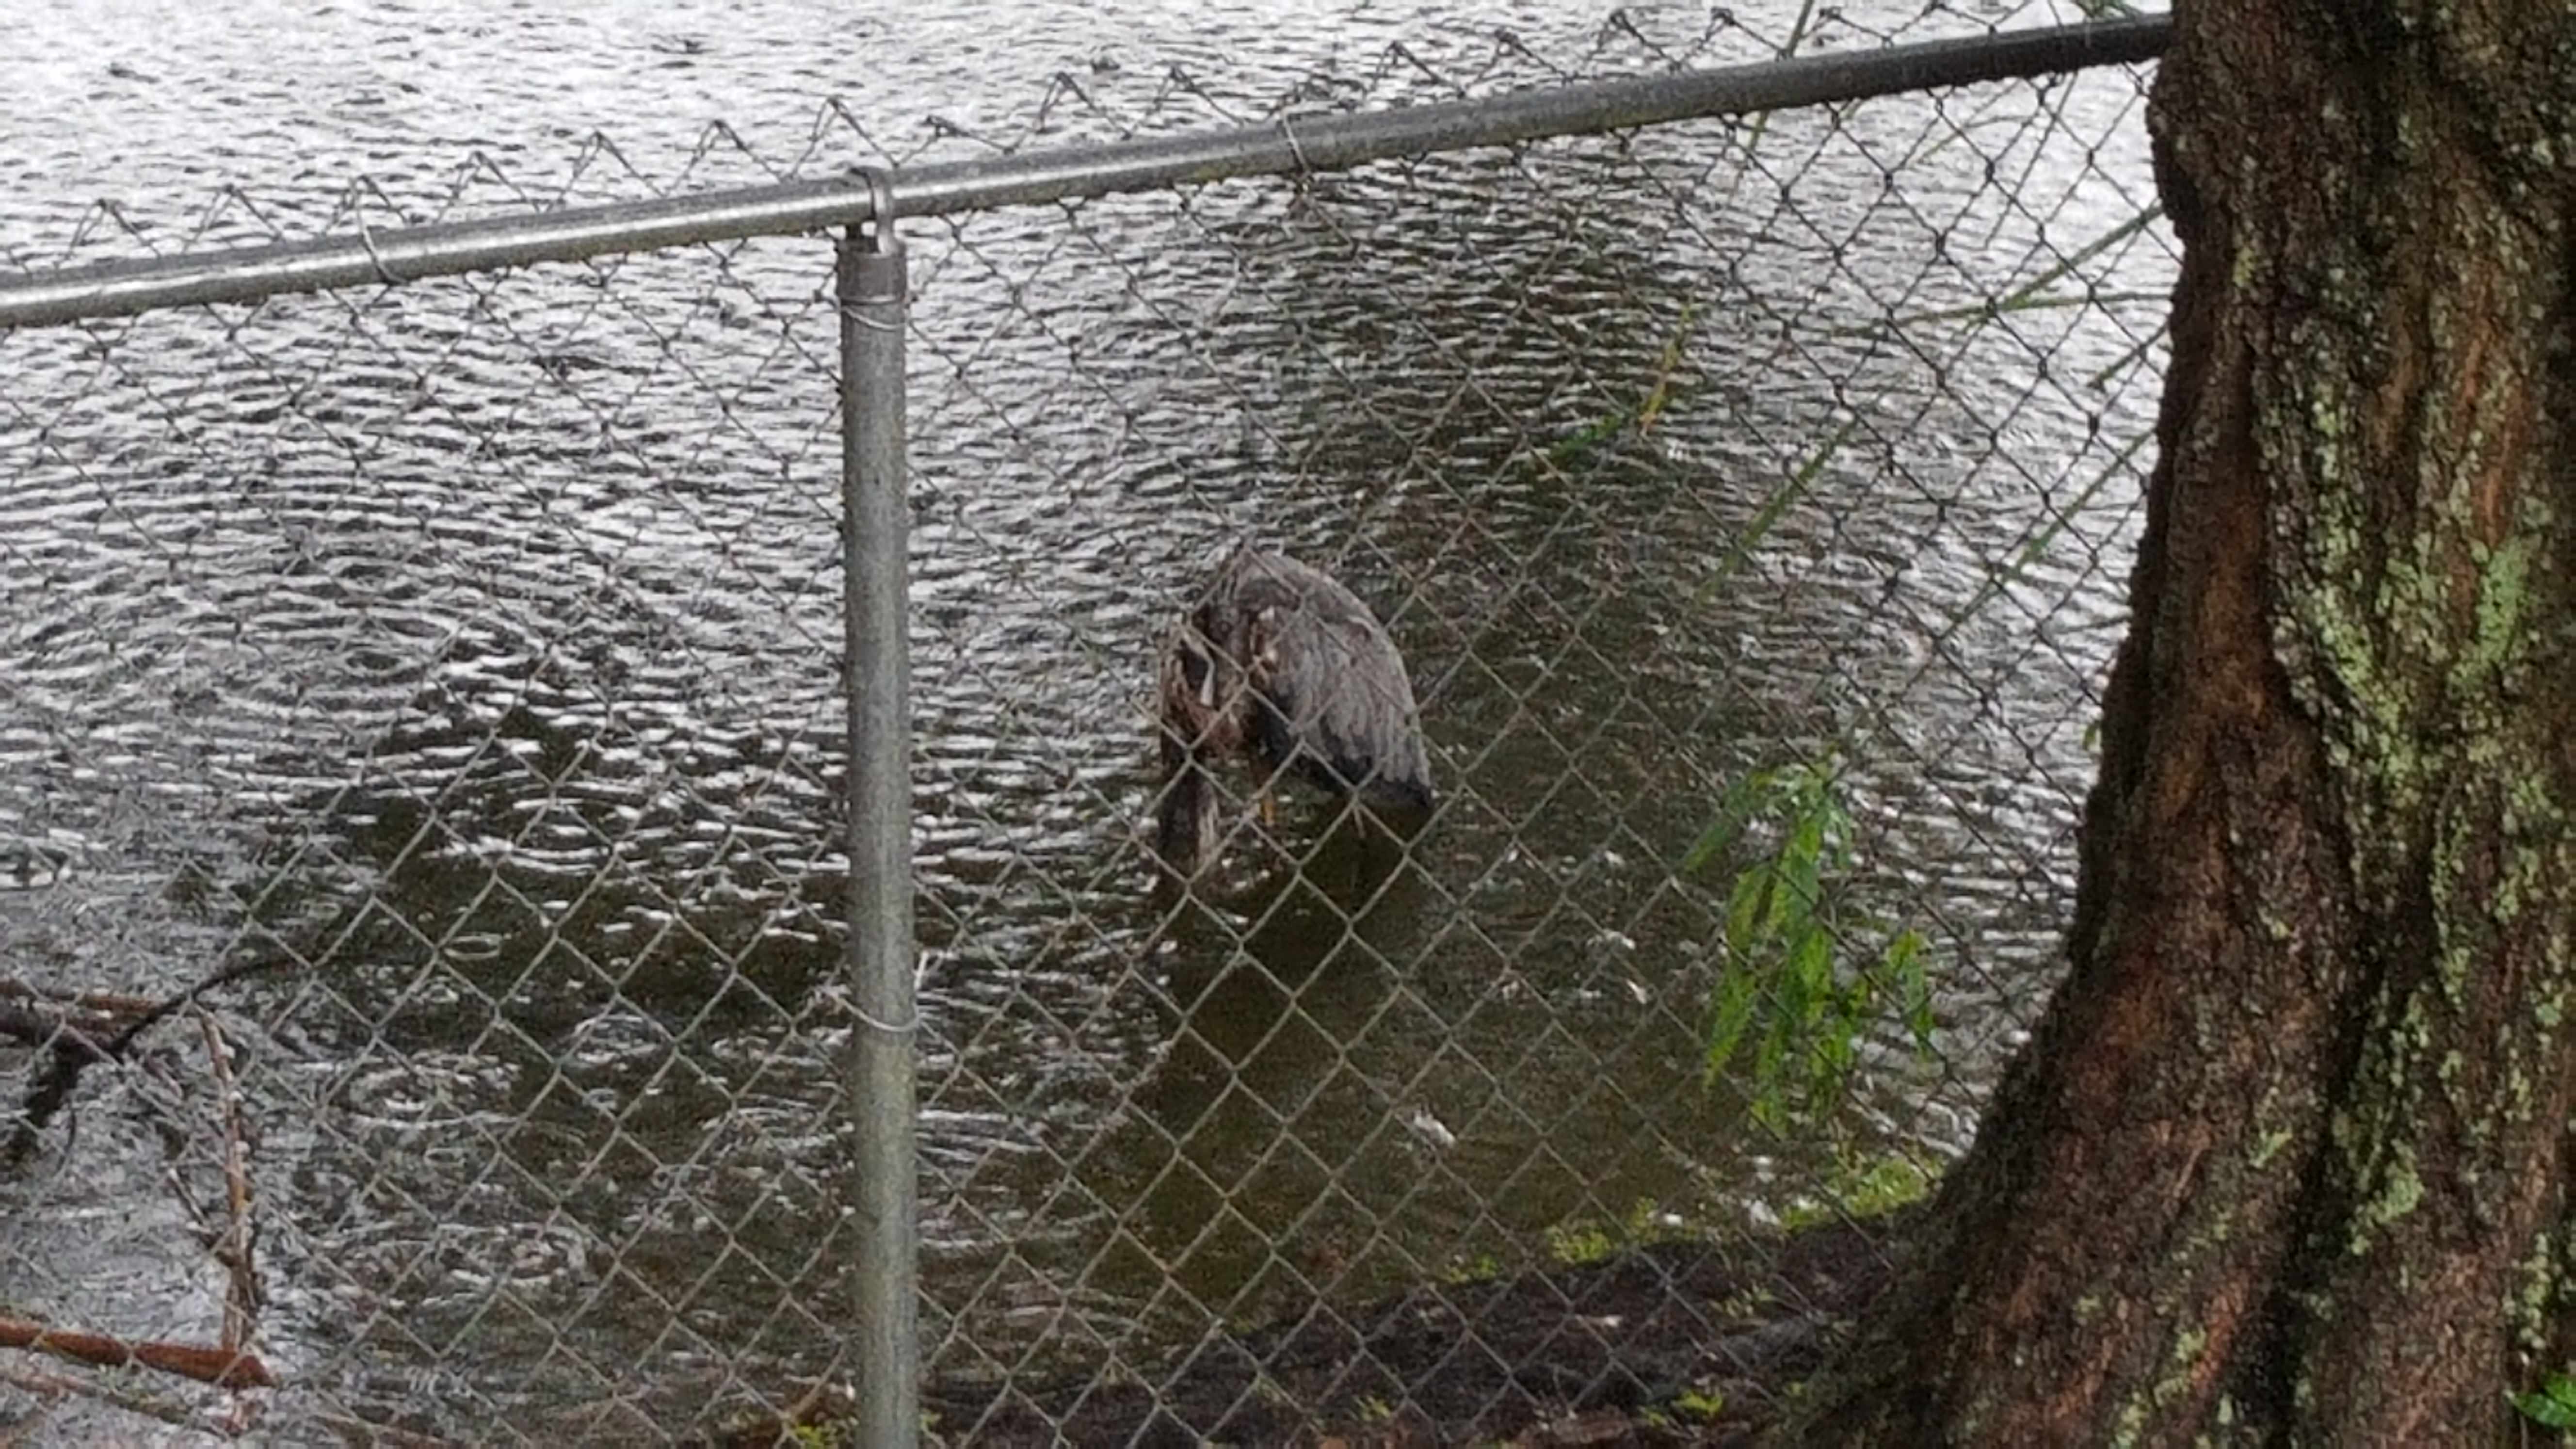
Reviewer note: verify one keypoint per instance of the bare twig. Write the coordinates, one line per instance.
(241, 1294)
(40, 1026)
(104, 1003)
(221, 1367)
(73, 1050)
(56, 1386)
(358, 1432)
(225, 977)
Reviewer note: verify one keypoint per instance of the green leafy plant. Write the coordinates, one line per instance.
(1699, 1407)
(1796, 987)
(1641, 417)
(1863, 1187)
(1578, 1243)
(1483, 1267)
(2553, 1405)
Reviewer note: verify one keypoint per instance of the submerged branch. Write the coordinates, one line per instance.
(75, 1046)
(224, 1368)
(56, 1386)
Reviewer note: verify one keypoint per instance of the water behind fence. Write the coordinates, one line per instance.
(467, 660)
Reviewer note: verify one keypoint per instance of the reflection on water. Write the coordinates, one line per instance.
(476, 645)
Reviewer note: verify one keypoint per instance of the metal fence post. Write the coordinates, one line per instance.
(879, 1094)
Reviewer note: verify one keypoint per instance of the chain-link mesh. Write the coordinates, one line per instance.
(459, 662)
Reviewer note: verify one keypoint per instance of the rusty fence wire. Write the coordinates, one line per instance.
(425, 824)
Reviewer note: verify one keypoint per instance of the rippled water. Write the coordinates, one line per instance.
(473, 647)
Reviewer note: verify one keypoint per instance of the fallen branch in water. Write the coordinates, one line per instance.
(225, 1369)
(75, 1046)
(233, 1247)
(37, 1026)
(104, 1003)
(57, 1386)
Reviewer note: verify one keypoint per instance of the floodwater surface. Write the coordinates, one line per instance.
(470, 651)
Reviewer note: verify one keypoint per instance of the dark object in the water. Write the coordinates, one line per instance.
(1281, 665)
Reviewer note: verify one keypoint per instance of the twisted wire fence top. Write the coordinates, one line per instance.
(1295, 141)
(469, 648)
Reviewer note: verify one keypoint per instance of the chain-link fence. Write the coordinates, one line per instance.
(427, 829)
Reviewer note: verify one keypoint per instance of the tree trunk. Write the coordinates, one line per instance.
(2288, 1158)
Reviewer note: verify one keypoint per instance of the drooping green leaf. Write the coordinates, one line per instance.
(1903, 963)
(2553, 1405)
(1729, 1014)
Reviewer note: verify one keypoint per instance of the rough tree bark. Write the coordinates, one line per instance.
(2288, 1159)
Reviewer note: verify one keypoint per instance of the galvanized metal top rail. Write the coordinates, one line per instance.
(1289, 145)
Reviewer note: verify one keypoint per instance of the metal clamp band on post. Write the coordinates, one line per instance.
(881, 232)
(875, 685)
